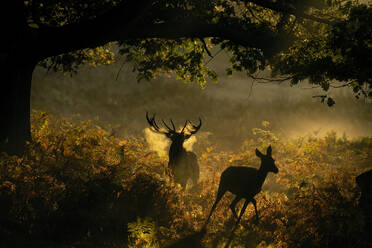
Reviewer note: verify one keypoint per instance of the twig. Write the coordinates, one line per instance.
(251, 89)
(293, 24)
(310, 88)
(213, 57)
(253, 14)
(121, 67)
(270, 80)
(340, 86)
(205, 47)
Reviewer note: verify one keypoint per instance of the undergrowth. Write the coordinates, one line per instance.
(77, 186)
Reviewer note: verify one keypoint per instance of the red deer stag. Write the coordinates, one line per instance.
(244, 182)
(183, 164)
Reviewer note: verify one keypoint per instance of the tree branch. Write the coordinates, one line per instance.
(271, 80)
(275, 6)
(205, 47)
(91, 33)
(68, 39)
(127, 21)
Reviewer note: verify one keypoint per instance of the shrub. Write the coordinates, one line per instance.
(75, 180)
(77, 183)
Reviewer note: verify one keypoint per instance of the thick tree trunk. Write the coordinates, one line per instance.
(17, 62)
(15, 93)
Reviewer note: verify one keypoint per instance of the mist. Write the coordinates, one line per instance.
(157, 142)
(229, 109)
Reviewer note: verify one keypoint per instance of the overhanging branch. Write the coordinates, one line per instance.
(91, 33)
(126, 22)
(276, 6)
(73, 38)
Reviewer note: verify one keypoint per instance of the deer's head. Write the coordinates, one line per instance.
(177, 138)
(267, 162)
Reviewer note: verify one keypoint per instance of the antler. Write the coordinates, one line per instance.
(173, 130)
(156, 128)
(184, 126)
(195, 127)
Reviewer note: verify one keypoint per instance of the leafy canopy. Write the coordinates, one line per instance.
(324, 41)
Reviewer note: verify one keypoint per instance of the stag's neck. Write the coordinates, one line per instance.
(175, 152)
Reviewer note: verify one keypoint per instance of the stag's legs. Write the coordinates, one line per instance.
(195, 173)
(180, 176)
(233, 204)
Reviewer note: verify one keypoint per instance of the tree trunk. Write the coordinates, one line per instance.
(16, 75)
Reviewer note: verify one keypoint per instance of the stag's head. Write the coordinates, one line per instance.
(177, 137)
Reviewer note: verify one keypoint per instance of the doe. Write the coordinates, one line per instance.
(244, 182)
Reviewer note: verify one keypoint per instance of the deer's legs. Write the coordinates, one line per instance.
(218, 198)
(233, 204)
(242, 211)
(255, 208)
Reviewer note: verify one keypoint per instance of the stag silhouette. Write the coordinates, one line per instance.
(244, 182)
(183, 164)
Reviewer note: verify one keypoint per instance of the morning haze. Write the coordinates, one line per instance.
(229, 109)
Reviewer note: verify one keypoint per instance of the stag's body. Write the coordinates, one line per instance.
(244, 182)
(182, 164)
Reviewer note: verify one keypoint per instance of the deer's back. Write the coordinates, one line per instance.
(186, 166)
(240, 180)
(182, 159)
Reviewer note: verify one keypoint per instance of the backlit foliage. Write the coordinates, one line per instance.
(321, 41)
(79, 185)
(70, 62)
(183, 57)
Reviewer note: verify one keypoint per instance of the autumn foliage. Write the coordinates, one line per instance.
(78, 186)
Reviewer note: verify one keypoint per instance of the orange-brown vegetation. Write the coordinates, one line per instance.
(78, 186)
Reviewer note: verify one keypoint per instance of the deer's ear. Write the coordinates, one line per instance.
(269, 150)
(258, 153)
